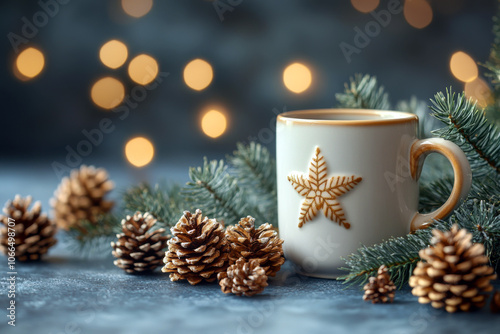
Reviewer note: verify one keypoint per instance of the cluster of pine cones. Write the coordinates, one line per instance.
(241, 258)
(453, 274)
(80, 198)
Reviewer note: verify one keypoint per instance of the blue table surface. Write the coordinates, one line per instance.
(68, 293)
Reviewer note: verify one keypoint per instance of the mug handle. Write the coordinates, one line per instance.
(461, 170)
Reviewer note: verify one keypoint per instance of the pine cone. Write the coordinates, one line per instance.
(138, 249)
(262, 243)
(495, 302)
(80, 197)
(455, 274)
(34, 232)
(197, 251)
(243, 278)
(380, 289)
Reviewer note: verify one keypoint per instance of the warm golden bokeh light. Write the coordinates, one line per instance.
(113, 54)
(139, 151)
(107, 92)
(463, 67)
(143, 69)
(198, 74)
(297, 77)
(213, 123)
(365, 6)
(137, 8)
(479, 91)
(29, 63)
(418, 13)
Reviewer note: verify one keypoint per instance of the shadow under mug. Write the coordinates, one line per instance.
(348, 177)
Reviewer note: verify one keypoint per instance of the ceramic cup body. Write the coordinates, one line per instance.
(346, 177)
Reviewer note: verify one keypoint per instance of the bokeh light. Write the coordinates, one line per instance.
(107, 92)
(418, 13)
(137, 8)
(113, 54)
(213, 123)
(198, 74)
(479, 91)
(297, 77)
(29, 63)
(463, 67)
(139, 151)
(365, 6)
(143, 69)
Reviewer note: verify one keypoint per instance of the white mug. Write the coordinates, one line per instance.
(348, 177)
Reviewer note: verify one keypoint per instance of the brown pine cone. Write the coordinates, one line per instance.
(495, 302)
(262, 243)
(137, 248)
(80, 197)
(243, 278)
(380, 289)
(453, 273)
(197, 251)
(34, 232)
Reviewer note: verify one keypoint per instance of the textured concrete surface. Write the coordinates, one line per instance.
(70, 295)
(75, 295)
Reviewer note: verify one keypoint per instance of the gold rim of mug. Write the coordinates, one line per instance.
(385, 117)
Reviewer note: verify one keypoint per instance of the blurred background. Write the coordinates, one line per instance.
(146, 88)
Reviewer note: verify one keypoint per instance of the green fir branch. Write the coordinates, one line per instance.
(467, 127)
(418, 107)
(493, 66)
(217, 193)
(400, 254)
(255, 171)
(363, 92)
(163, 202)
(434, 194)
(92, 239)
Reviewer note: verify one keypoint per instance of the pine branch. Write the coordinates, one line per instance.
(485, 188)
(363, 92)
(435, 193)
(92, 239)
(467, 127)
(217, 193)
(493, 66)
(418, 107)
(255, 171)
(483, 220)
(400, 254)
(164, 203)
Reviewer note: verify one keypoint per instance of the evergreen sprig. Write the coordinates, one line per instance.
(467, 127)
(214, 191)
(493, 66)
(363, 91)
(400, 254)
(163, 202)
(418, 107)
(92, 239)
(255, 170)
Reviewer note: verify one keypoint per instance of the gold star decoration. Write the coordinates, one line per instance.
(321, 192)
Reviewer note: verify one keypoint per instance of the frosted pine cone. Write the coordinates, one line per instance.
(137, 248)
(80, 197)
(197, 251)
(262, 243)
(243, 278)
(453, 273)
(34, 232)
(380, 289)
